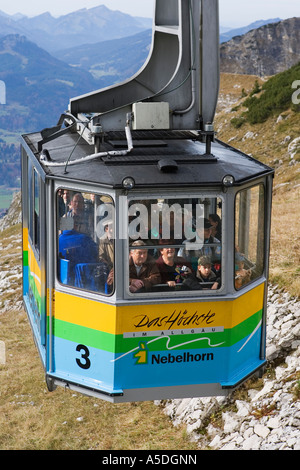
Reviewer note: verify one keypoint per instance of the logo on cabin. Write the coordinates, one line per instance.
(141, 355)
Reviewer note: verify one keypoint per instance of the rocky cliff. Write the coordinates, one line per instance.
(14, 214)
(264, 51)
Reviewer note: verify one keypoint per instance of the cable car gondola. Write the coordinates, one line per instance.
(130, 294)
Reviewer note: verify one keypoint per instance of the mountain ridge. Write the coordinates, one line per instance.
(45, 24)
(110, 61)
(32, 76)
(232, 32)
(86, 25)
(37, 80)
(265, 51)
(31, 72)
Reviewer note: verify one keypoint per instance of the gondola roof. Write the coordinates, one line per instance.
(176, 159)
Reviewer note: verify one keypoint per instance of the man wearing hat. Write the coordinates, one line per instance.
(203, 244)
(205, 275)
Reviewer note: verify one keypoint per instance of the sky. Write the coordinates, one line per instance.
(233, 13)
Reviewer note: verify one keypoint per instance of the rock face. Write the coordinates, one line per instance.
(264, 51)
(14, 214)
(269, 417)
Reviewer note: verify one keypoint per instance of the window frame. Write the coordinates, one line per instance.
(34, 202)
(68, 287)
(154, 296)
(260, 236)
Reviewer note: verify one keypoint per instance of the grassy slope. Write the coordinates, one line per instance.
(269, 145)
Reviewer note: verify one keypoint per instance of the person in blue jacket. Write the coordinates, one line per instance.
(79, 253)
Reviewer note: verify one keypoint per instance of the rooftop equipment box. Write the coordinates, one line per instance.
(150, 116)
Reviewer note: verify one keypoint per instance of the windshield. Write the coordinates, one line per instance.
(175, 244)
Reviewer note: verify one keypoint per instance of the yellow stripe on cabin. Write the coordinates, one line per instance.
(25, 239)
(85, 312)
(119, 319)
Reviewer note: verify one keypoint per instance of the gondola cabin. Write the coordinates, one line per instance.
(145, 238)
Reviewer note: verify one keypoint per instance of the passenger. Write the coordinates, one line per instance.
(76, 247)
(84, 221)
(61, 205)
(216, 226)
(110, 279)
(90, 210)
(203, 244)
(78, 263)
(207, 278)
(106, 246)
(242, 275)
(63, 201)
(173, 269)
(143, 271)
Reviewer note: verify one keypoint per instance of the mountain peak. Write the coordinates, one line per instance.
(46, 14)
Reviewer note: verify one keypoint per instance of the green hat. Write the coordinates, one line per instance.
(203, 260)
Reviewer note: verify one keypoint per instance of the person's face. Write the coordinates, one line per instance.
(110, 231)
(204, 234)
(168, 252)
(214, 227)
(207, 233)
(65, 196)
(214, 224)
(205, 269)
(139, 256)
(77, 204)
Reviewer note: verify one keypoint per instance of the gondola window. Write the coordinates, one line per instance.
(34, 208)
(173, 245)
(249, 235)
(85, 241)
